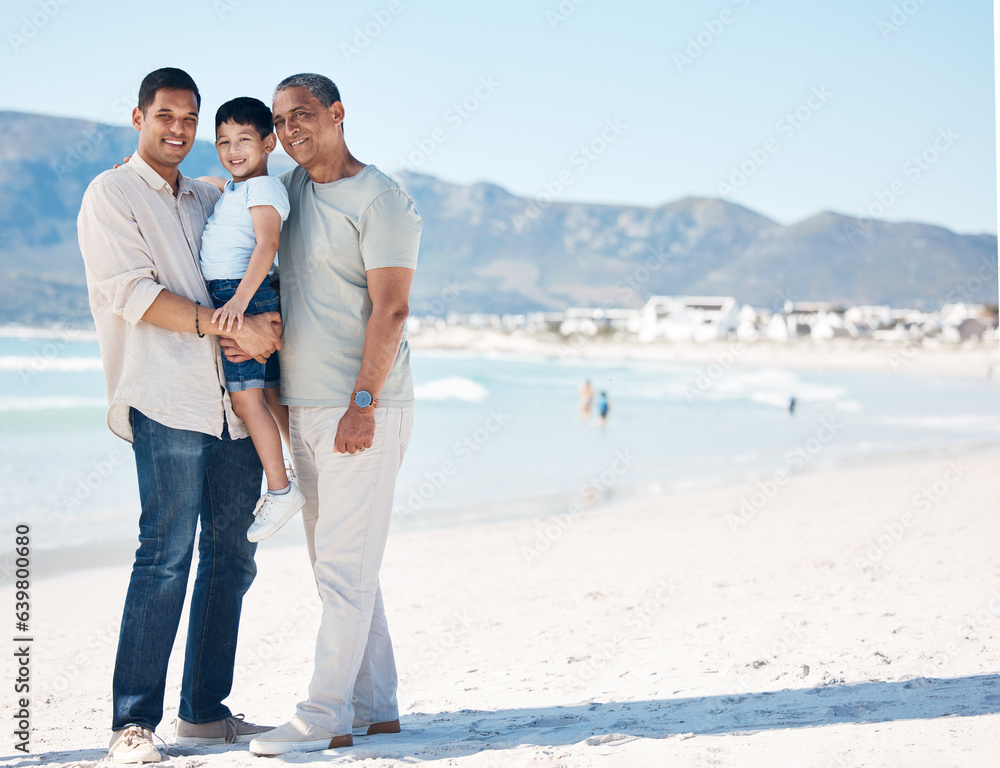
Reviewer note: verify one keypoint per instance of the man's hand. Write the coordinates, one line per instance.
(356, 430)
(259, 337)
(232, 350)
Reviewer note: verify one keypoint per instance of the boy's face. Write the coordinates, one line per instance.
(242, 151)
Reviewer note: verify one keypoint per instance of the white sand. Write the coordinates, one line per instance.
(649, 633)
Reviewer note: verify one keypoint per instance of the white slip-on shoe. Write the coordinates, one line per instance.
(133, 745)
(272, 512)
(297, 735)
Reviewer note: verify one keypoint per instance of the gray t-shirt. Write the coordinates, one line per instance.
(334, 233)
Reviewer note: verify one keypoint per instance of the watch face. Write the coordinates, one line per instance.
(363, 399)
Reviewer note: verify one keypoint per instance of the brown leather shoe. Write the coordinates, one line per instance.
(365, 728)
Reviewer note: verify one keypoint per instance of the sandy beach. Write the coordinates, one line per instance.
(837, 618)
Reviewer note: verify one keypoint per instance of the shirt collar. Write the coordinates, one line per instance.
(155, 180)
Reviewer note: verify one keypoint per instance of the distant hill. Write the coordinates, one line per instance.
(486, 250)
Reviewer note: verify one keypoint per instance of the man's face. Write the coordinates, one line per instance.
(307, 131)
(167, 129)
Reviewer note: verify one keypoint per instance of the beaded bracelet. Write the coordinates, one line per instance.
(196, 328)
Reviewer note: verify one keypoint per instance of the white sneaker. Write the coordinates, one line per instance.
(272, 512)
(133, 745)
(297, 735)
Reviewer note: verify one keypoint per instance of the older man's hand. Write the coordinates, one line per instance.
(355, 430)
(258, 339)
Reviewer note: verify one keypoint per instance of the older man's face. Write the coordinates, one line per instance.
(307, 131)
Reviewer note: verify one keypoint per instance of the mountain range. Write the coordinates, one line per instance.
(484, 249)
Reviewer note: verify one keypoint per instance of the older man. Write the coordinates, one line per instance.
(140, 233)
(348, 253)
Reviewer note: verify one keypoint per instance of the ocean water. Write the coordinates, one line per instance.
(498, 437)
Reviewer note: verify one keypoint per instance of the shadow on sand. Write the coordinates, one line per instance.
(465, 732)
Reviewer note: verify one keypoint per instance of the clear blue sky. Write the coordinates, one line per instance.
(557, 77)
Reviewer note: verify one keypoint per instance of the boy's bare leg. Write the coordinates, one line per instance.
(249, 406)
(279, 412)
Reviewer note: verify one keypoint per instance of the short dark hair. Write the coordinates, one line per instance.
(246, 110)
(167, 77)
(320, 86)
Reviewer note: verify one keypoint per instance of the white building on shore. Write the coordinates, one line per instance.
(688, 318)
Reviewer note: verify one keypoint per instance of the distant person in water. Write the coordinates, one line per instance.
(602, 406)
(791, 406)
(586, 399)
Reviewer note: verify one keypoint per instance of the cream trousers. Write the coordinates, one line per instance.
(346, 521)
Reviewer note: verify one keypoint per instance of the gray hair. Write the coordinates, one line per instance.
(320, 86)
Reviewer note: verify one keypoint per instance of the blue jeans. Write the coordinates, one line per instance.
(185, 477)
(249, 374)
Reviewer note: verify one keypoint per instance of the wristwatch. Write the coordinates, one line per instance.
(363, 398)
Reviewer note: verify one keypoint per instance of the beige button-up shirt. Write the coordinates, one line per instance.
(138, 239)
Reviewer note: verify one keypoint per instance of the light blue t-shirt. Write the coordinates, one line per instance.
(228, 240)
(336, 233)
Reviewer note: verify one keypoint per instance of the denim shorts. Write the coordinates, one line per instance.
(249, 374)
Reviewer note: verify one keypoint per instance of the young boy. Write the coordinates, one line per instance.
(237, 257)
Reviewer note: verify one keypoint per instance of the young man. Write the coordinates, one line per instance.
(140, 232)
(348, 252)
